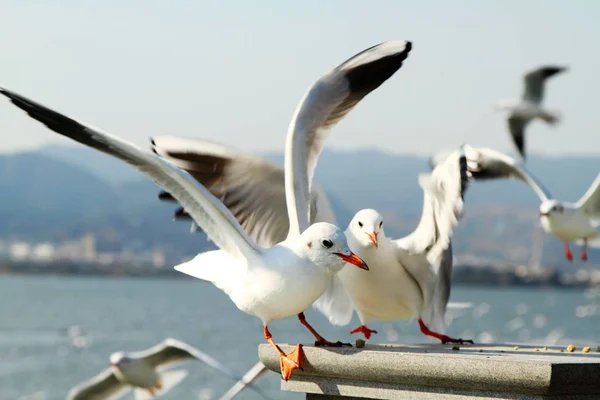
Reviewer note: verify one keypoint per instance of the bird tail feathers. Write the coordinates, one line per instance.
(168, 380)
(212, 266)
(551, 117)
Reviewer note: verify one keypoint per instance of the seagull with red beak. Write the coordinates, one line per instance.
(409, 277)
(284, 278)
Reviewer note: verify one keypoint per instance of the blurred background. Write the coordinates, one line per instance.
(86, 248)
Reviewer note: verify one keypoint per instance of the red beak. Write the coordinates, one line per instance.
(354, 260)
(373, 237)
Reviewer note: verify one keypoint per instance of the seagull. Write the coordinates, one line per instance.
(521, 112)
(410, 277)
(570, 222)
(252, 187)
(283, 280)
(144, 372)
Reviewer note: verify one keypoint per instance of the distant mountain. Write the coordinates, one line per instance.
(103, 165)
(58, 193)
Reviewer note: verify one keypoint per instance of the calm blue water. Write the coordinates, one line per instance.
(37, 355)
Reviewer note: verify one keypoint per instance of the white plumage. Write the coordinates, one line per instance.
(287, 278)
(529, 107)
(146, 373)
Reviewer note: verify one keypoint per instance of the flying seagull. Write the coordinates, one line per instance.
(283, 280)
(521, 112)
(570, 222)
(144, 372)
(253, 189)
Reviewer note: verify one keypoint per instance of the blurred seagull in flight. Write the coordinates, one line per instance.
(529, 107)
(570, 222)
(145, 372)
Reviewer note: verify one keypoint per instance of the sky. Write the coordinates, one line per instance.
(234, 71)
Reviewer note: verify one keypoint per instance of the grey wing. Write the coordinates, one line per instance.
(171, 351)
(208, 212)
(325, 103)
(488, 164)
(516, 127)
(534, 82)
(426, 253)
(443, 201)
(252, 376)
(104, 386)
(251, 187)
(434, 314)
(590, 201)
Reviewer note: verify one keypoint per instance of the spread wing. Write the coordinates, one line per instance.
(325, 103)
(104, 386)
(590, 201)
(486, 164)
(535, 80)
(426, 253)
(443, 203)
(172, 351)
(516, 126)
(208, 212)
(251, 187)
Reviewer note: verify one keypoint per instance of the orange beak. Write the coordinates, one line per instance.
(354, 260)
(373, 237)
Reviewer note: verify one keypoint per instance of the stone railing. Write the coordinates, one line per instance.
(445, 372)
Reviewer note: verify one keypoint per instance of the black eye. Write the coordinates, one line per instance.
(327, 244)
(360, 224)
(381, 224)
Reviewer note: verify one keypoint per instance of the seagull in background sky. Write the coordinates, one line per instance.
(529, 107)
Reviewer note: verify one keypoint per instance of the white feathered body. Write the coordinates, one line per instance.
(571, 225)
(274, 287)
(137, 373)
(386, 292)
(526, 109)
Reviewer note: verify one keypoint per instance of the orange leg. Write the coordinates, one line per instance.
(583, 253)
(445, 339)
(152, 391)
(364, 330)
(320, 342)
(288, 362)
(568, 253)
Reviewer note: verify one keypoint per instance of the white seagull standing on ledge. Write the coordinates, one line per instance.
(412, 277)
(252, 187)
(521, 112)
(284, 280)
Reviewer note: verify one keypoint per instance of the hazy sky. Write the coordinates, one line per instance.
(233, 71)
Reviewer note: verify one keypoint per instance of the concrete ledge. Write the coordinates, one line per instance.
(438, 372)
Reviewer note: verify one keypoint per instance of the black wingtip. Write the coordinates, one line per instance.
(165, 196)
(180, 214)
(464, 174)
(153, 146)
(367, 77)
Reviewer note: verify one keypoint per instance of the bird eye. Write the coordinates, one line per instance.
(360, 224)
(327, 244)
(380, 224)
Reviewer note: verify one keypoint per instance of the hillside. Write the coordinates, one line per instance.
(58, 193)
